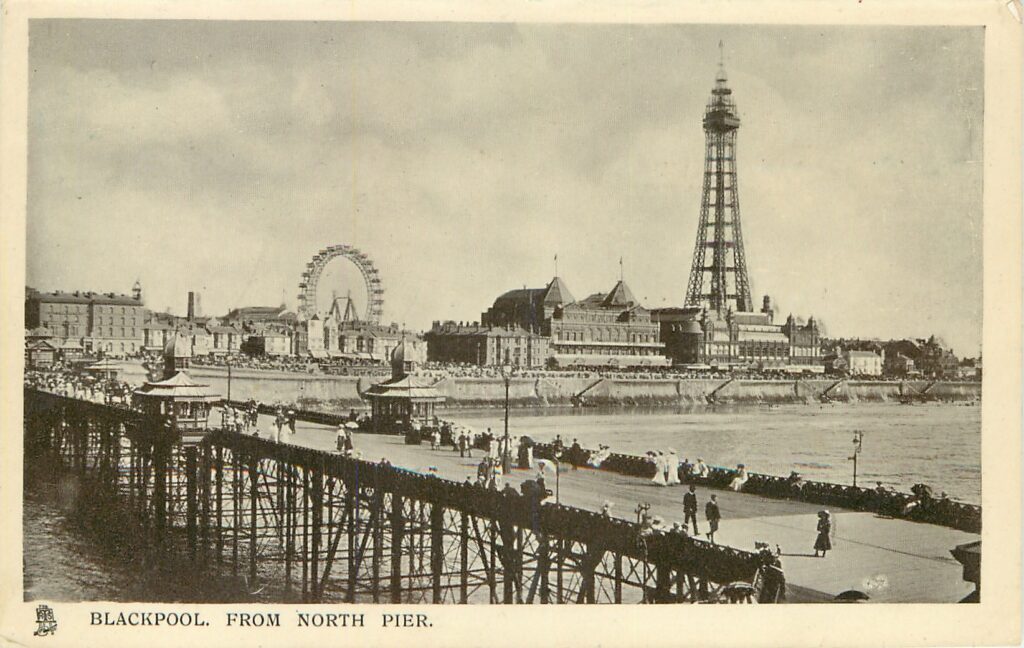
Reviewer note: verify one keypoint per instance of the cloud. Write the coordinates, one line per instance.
(221, 156)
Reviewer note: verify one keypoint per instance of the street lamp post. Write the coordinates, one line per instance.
(506, 451)
(641, 511)
(229, 377)
(858, 442)
(558, 476)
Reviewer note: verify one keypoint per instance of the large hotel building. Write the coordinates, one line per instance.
(534, 327)
(88, 321)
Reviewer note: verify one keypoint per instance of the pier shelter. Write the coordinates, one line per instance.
(405, 402)
(182, 403)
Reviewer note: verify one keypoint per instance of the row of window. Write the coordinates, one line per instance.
(58, 318)
(71, 330)
(80, 308)
(117, 347)
(605, 351)
(606, 335)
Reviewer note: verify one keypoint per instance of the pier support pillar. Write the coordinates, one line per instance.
(464, 558)
(397, 537)
(191, 502)
(318, 518)
(205, 468)
(253, 509)
(544, 568)
(160, 453)
(436, 549)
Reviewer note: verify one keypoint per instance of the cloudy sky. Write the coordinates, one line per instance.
(219, 157)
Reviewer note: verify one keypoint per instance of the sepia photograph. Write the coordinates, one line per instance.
(521, 313)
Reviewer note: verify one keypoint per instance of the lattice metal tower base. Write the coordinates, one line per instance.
(721, 284)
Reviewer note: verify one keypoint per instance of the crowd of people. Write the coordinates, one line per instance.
(295, 364)
(64, 381)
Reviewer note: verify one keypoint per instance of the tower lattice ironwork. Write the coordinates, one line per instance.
(723, 282)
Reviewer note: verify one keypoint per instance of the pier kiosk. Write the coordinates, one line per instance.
(180, 402)
(404, 403)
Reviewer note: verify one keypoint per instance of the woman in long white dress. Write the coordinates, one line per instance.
(672, 468)
(740, 478)
(659, 469)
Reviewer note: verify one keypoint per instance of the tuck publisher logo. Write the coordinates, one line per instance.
(45, 620)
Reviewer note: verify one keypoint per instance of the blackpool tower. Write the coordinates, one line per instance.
(718, 277)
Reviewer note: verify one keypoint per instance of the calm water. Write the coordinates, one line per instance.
(64, 560)
(938, 444)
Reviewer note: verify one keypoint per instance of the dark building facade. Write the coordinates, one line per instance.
(485, 345)
(107, 322)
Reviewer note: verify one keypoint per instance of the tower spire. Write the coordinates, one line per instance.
(722, 284)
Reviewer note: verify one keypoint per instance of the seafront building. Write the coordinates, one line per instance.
(88, 321)
(604, 329)
(474, 343)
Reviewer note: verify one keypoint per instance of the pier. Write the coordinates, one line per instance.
(892, 559)
(315, 526)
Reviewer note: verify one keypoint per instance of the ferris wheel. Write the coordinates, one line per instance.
(311, 279)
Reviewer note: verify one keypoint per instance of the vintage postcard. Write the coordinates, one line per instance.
(434, 323)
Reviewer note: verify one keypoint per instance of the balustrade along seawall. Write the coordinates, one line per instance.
(314, 526)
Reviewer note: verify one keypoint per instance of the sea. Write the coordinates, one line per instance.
(933, 443)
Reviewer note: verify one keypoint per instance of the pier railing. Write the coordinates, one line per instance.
(317, 526)
(944, 512)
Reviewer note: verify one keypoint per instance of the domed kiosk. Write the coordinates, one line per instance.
(183, 404)
(404, 403)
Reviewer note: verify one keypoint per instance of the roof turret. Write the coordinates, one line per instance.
(557, 293)
(620, 296)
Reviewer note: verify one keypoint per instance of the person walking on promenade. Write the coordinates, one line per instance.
(823, 543)
(575, 452)
(659, 469)
(714, 516)
(462, 443)
(291, 421)
(341, 438)
(254, 416)
(690, 509)
(279, 421)
(672, 468)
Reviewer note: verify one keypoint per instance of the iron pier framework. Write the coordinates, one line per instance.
(306, 525)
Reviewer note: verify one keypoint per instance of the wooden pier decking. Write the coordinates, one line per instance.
(893, 561)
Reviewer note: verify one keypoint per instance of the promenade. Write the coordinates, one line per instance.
(893, 561)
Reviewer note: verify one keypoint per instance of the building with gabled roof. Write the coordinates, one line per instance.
(603, 329)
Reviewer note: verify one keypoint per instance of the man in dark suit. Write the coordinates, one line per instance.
(690, 508)
(713, 515)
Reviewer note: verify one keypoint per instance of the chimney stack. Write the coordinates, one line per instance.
(191, 306)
